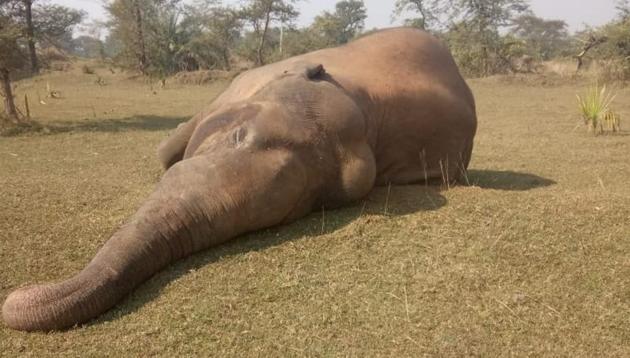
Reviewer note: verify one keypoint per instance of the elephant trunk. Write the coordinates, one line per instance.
(169, 226)
(198, 204)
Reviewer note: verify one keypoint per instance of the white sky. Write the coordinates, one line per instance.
(575, 12)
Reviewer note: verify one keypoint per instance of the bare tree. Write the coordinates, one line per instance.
(427, 9)
(588, 44)
(261, 14)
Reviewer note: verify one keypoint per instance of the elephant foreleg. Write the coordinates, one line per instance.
(172, 149)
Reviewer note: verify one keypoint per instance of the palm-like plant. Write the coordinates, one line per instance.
(595, 109)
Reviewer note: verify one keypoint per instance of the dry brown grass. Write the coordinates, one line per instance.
(601, 71)
(202, 77)
(530, 260)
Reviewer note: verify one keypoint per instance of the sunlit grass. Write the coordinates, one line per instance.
(530, 259)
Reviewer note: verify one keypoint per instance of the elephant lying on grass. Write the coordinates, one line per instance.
(318, 130)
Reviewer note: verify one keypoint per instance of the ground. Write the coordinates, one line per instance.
(532, 258)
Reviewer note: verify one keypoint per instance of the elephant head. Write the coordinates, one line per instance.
(296, 143)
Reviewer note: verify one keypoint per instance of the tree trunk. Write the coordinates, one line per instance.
(281, 39)
(30, 33)
(9, 103)
(140, 49)
(226, 59)
(260, 61)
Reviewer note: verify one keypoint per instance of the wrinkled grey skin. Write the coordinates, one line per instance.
(316, 130)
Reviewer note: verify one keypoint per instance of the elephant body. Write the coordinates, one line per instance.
(317, 130)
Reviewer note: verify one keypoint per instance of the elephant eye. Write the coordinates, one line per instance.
(239, 136)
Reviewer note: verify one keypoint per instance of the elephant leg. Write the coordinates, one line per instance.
(171, 150)
(200, 202)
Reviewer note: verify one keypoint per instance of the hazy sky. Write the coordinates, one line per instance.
(575, 12)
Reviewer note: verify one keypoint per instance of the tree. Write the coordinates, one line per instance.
(341, 26)
(127, 24)
(11, 58)
(261, 14)
(213, 33)
(144, 29)
(591, 42)
(475, 32)
(623, 9)
(54, 24)
(487, 14)
(427, 9)
(88, 47)
(44, 23)
(544, 39)
(351, 15)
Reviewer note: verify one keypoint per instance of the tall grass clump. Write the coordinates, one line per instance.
(595, 110)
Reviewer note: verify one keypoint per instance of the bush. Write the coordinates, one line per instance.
(596, 112)
(85, 69)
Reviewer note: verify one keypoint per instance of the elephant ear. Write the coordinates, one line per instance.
(314, 72)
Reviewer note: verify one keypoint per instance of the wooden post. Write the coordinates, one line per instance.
(26, 107)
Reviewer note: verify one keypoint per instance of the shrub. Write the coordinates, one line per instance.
(87, 70)
(595, 110)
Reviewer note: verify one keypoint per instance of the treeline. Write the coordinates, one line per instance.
(486, 36)
(167, 36)
(498, 36)
(162, 37)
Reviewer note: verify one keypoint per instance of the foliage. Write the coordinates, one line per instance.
(623, 9)
(43, 25)
(261, 15)
(148, 34)
(53, 24)
(88, 47)
(481, 54)
(477, 33)
(341, 26)
(11, 53)
(486, 14)
(595, 110)
(471, 28)
(212, 35)
(427, 10)
(543, 39)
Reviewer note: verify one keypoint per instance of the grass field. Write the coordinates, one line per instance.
(532, 259)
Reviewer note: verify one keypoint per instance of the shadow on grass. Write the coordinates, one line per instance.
(140, 122)
(389, 202)
(135, 123)
(507, 180)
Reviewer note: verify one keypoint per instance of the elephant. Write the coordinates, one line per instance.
(319, 130)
